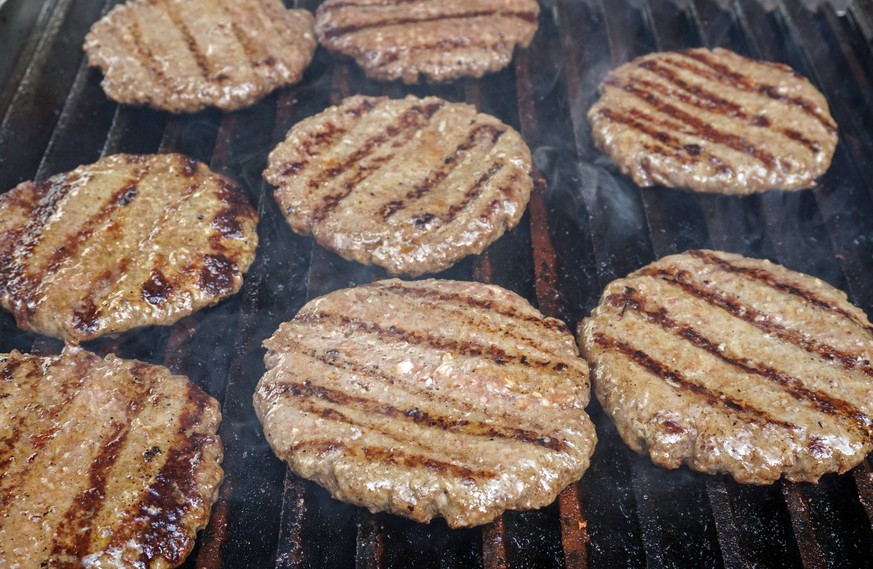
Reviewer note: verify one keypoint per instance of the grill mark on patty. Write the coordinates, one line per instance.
(460, 347)
(333, 6)
(29, 237)
(322, 139)
(436, 176)
(16, 427)
(390, 54)
(706, 100)
(417, 415)
(332, 32)
(712, 397)
(758, 319)
(699, 127)
(768, 278)
(468, 317)
(70, 391)
(189, 39)
(73, 534)
(376, 374)
(462, 300)
(102, 218)
(721, 73)
(250, 48)
(473, 192)
(156, 519)
(144, 56)
(794, 386)
(393, 456)
(402, 129)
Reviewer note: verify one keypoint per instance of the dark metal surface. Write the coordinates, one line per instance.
(585, 226)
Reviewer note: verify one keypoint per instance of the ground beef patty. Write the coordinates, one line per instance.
(734, 365)
(434, 40)
(105, 462)
(428, 398)
(412, 185)
(129, 241)
(713, 121)
(186, 55)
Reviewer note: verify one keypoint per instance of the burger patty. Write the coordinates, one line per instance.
(713, 121)
(428, 398)
(129, 241)
(734, 365)
(435, 40)
(412, 185)
(105, 462)
(186, 55)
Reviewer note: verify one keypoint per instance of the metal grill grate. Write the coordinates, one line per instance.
(584, 227)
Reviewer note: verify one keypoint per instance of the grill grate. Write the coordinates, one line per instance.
(585, 226)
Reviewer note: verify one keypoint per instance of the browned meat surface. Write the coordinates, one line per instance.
(125, 242)
(714, 121)
(434, 40)
(412, 185)
(105, 462)
(186, 55)
(734, 365)
(428, 398)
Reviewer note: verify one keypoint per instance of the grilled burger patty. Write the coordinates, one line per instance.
(186, 55)
(129, 241)
(713, 121)
(412, 185)
(105, 462)
(428, 398)
(734, 365)
(435, 40)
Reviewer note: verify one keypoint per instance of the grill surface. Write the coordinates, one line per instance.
(585, 226)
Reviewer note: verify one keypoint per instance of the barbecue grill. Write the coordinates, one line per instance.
(585, 225)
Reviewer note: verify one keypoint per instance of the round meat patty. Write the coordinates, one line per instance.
(106, 462)
(429, 398)
(713, 121)
(412, 185)
(186, 55)
(434, 40)
(734, 365)
(129, 241)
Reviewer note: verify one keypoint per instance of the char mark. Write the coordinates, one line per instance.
(73, 534)
(411, 389)
(157, 518)
(145, 57)
(708, 101)
(324, 138)
(217, 275)
(332, 32)
(460, 347)
(791, 385)
(401, 132)
(487, 133)
(770, 279)
(697, 126)
(53, 416)
(721, 73)
(758, 319)
(485, 304)
(473, 192)
(672, 376)
(373, 408)
(396, 457)
(189, 39)
(157, 289)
